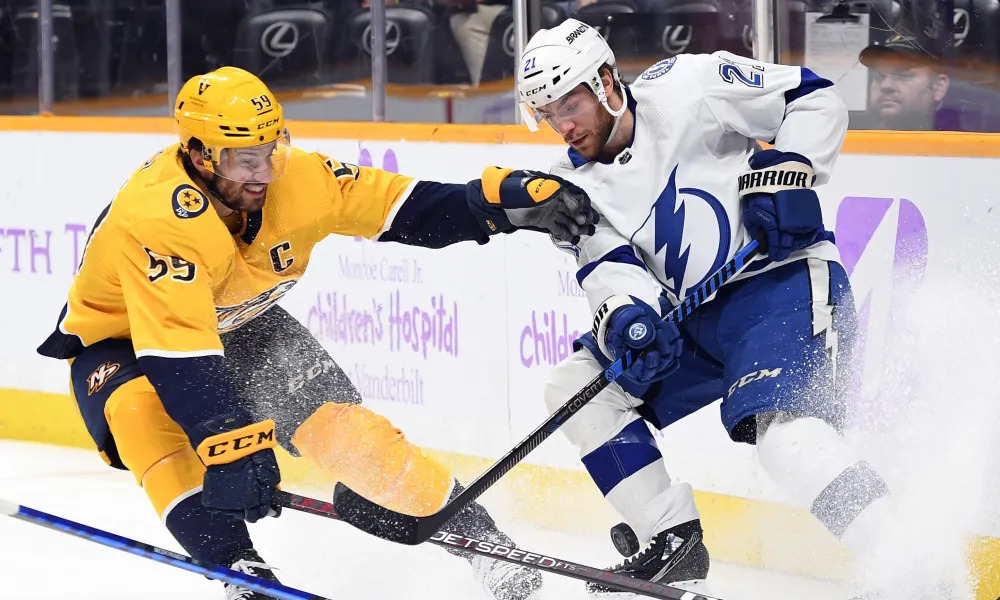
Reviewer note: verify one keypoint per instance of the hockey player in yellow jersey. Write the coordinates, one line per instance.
(181, 361)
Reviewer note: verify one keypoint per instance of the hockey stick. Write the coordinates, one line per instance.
(263, 586)
(510, 554)
(408, 529)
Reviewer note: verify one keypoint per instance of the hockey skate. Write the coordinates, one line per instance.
(250, 563)
(506, 581)
(501, 580)
(676, 556)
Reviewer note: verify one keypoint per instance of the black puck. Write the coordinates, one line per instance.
(624, 539)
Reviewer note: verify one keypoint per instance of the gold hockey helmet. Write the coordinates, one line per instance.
(239, 123)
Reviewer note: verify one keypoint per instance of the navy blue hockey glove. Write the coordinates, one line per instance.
(778, 205)
(627, 323)
(505, 200)
(241, 470)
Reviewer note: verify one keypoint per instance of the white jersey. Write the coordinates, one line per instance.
(670, 209)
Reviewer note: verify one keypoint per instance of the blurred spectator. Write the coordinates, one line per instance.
(908, 85)
(916, 83)
(914, 88)
(471, 22)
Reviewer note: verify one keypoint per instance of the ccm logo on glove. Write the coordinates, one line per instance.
(541, 190)
(234, 445)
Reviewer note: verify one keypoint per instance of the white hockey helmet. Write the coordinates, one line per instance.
(557, 60)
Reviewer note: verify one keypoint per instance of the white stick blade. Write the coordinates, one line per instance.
(8, 508)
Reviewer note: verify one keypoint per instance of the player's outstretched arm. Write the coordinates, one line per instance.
(434, 214)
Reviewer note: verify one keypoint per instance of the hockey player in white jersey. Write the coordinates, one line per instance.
(672, 164)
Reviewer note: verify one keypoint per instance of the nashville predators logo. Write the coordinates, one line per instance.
(100, 376)
(189, 201)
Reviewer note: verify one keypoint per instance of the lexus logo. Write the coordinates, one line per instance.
(508, 40)
(676, 38)
(393, 36)
(279, 39)
(962, 24)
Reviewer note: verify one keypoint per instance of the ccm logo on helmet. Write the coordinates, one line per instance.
(576, 33)
(535, 91)
(267, 124)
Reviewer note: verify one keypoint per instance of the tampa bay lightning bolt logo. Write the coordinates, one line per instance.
(680, 219)
(660, 68)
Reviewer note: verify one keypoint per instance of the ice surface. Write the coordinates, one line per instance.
(313, 554)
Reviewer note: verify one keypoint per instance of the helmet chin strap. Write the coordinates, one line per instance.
(602, 97)
(618, 118)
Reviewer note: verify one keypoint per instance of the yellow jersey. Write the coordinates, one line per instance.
(162, 268)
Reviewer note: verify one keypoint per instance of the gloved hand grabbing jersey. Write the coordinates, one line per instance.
(627, 323)
(779, 206)
(242, 472)
(505, 200)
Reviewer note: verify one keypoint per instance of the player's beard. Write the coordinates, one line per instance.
(236, 196)
(605, 125)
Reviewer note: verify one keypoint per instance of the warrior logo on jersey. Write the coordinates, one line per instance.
(189, 201)
(659, 68)
(100, 376)
(690, 233)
